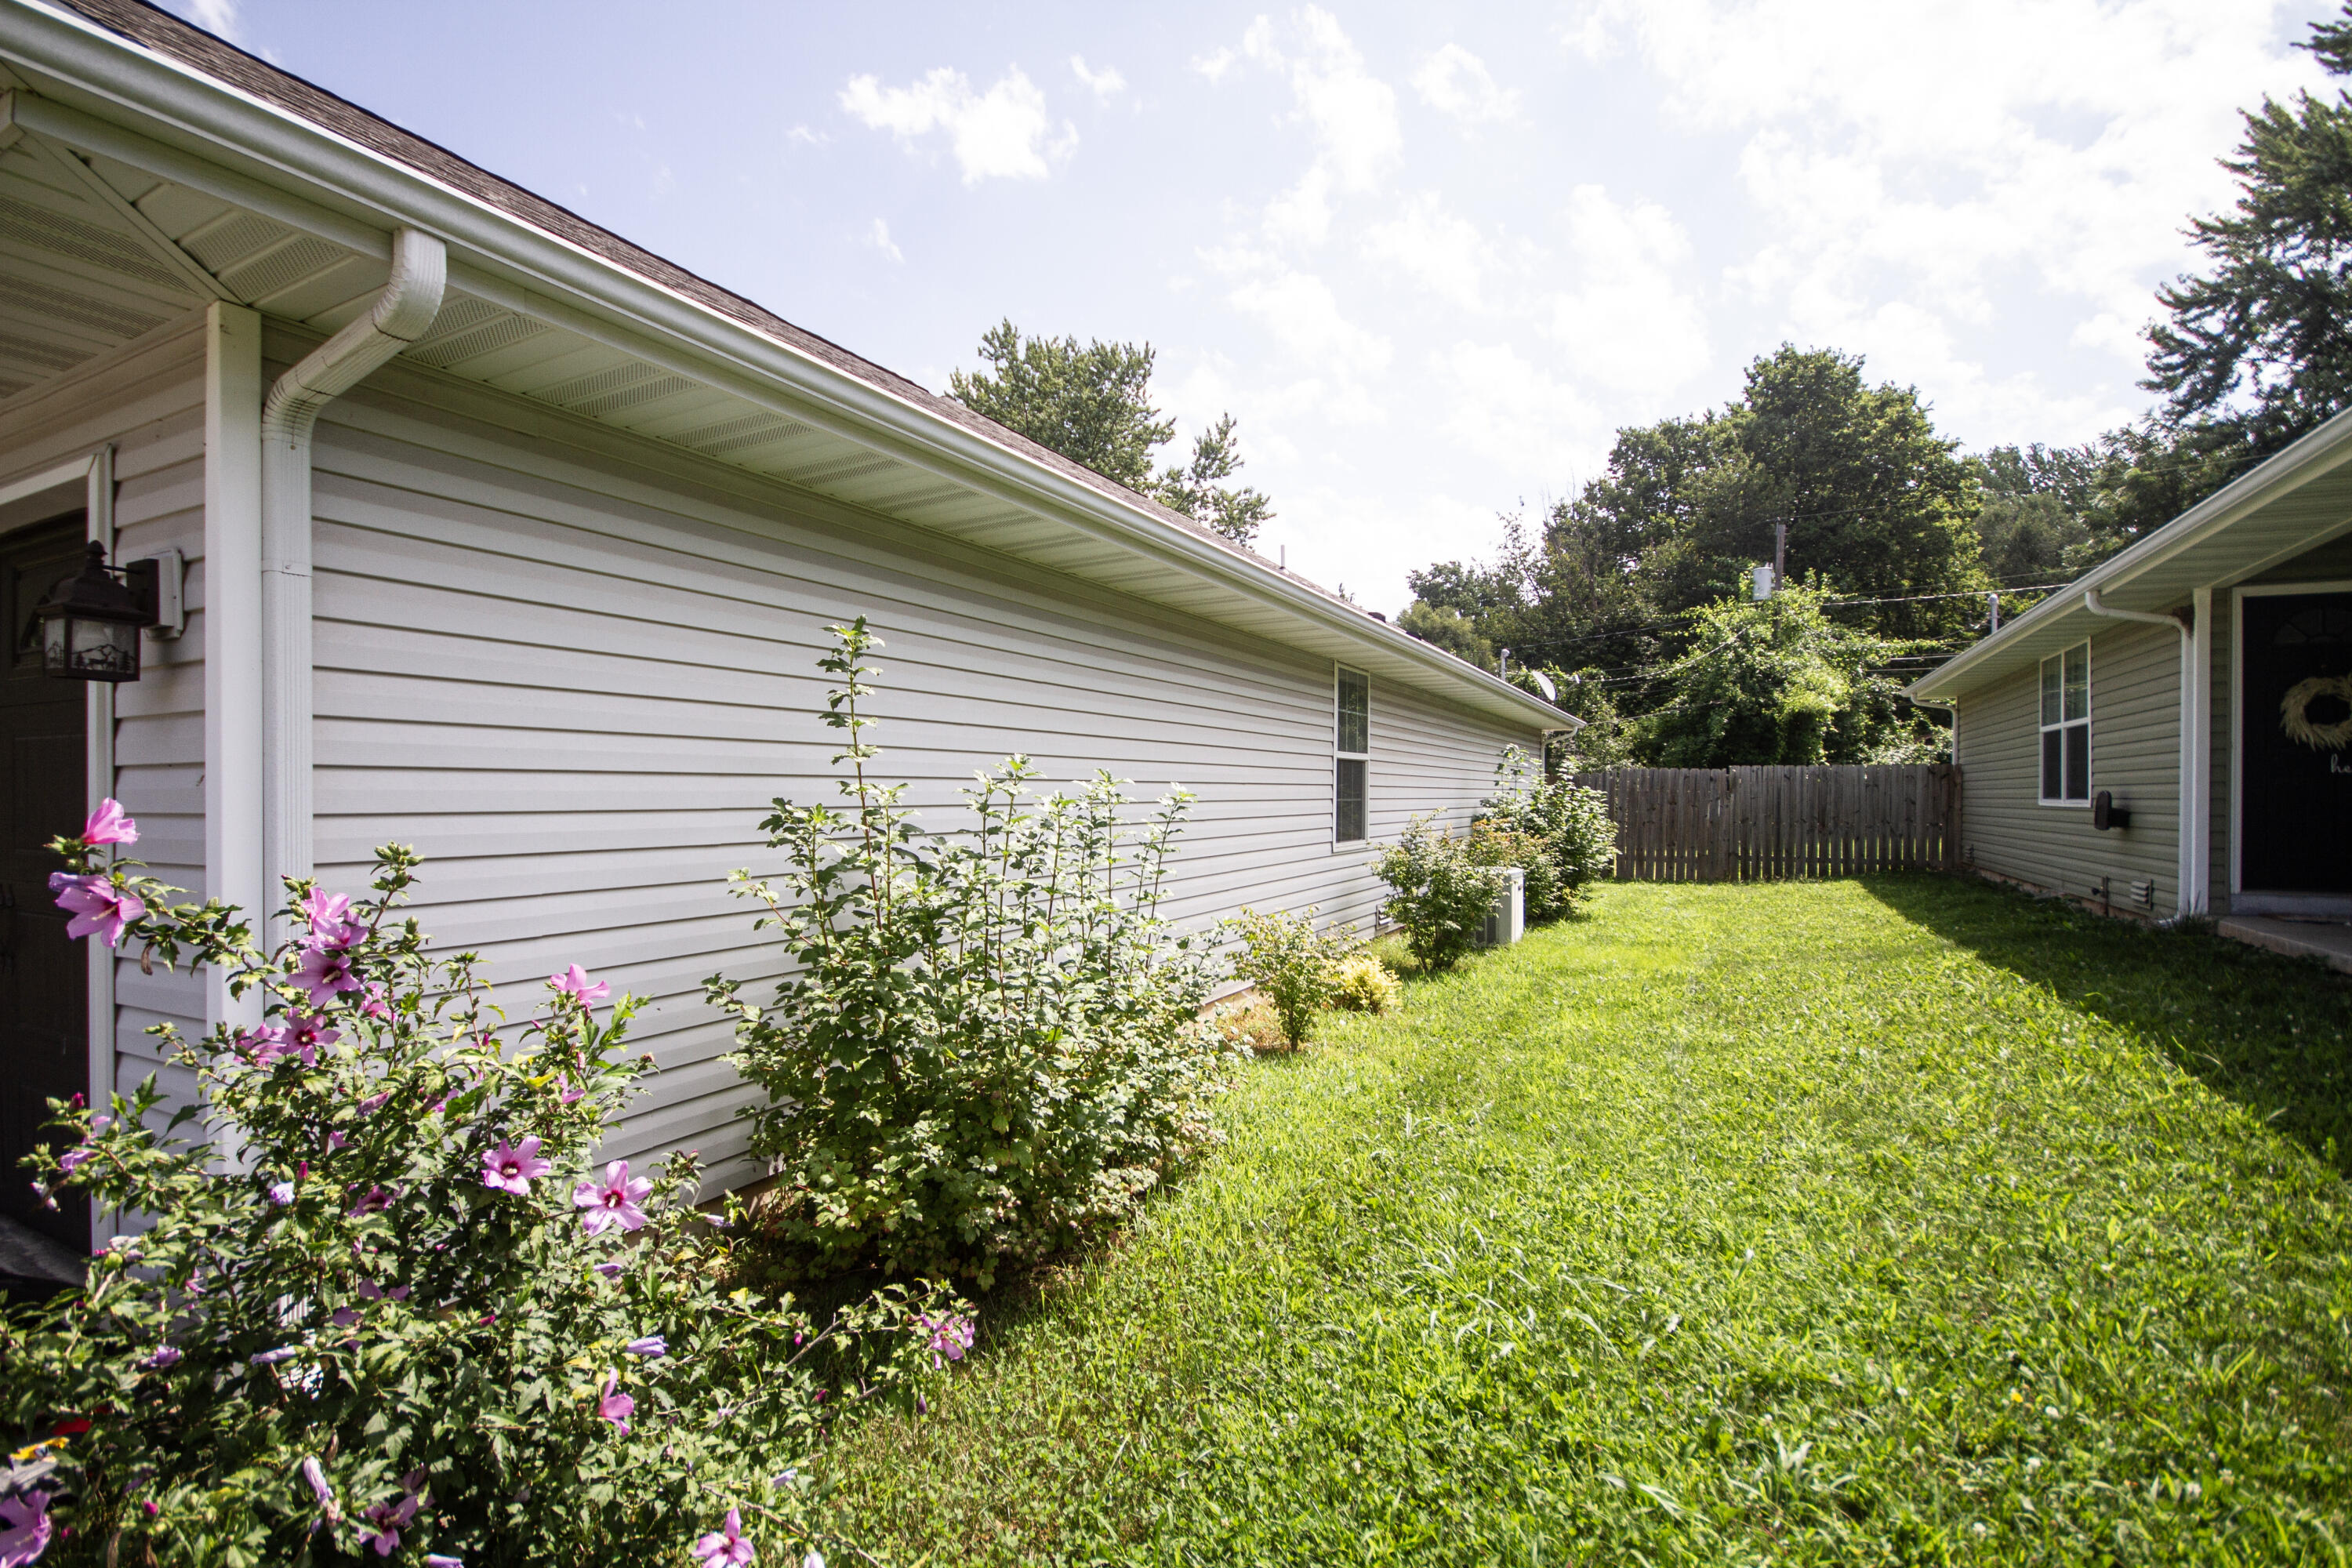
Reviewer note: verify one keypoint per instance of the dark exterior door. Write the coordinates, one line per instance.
(2295, 744)
(44, 984)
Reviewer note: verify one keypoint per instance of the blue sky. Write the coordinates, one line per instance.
(1431, 257)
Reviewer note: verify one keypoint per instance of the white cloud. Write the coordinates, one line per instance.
(1456, 82)
(1303, 315)
(1105, 84)
(1000, 133)
(1214, 65)
(1627, 323)
(1513, 413)
(1444, 253)
(879, 238)
(801, 136)
(218, 17)
(1921, 172)
(1351, 113)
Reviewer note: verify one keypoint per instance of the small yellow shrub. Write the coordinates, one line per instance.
(1362, 984)
(1251, 1025)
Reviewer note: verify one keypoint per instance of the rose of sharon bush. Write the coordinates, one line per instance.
(372, 1310)
(988, 1043)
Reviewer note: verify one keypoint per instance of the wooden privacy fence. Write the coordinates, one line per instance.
(1744, 825)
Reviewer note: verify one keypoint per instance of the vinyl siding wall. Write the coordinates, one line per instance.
(148, 399)
(2135, 719)
(571, 671)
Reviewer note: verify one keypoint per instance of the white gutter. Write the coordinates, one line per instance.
(519, 266)
(402, 314)
(2190, 831)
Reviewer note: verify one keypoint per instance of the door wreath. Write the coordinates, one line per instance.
(2295, 712)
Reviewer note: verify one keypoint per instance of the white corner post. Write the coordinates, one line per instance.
(400, 315)
(2188, 830)
(2198, 715)
(232, 629)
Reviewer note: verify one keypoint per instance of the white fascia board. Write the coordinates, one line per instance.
(2268, 481)
(355, 196)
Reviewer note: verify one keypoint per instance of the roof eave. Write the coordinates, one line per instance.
(508, 261)
(2316, 454)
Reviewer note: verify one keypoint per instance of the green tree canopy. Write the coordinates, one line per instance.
(1093, 405)
(1776, 680)
(2263, 341)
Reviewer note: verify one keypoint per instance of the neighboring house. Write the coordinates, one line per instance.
(542, 595)
(2210, 663)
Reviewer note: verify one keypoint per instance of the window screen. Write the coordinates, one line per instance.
(1351, 748)
(2066, 726)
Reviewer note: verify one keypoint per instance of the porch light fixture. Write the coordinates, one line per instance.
(91, 622)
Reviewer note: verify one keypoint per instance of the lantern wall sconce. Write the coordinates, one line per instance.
(91, 622)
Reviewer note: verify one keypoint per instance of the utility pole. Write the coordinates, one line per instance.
(1994, 599)
(1780, 553)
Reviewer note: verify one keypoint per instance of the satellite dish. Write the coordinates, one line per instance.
(1544, 685)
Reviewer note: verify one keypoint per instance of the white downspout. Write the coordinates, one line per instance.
(402, 314)
(2189, 834)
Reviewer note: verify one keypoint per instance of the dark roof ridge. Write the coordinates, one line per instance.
(167, 35)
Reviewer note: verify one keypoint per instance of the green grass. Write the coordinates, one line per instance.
(1897, 1220)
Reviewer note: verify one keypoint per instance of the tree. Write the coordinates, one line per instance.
(1445, 627)
(1873, 500)
(1193, 490)
(2262, 343)
(1772, 681)
(1092, 405)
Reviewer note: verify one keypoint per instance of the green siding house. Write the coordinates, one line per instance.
(2171, 735)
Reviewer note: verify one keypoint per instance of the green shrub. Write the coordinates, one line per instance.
(1568, 825)
(1494, 843)
(989, 1044)
(1292, 964)
(387, 1301)
(1362, 984)
(1440, 896)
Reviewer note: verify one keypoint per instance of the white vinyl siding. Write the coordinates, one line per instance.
(2135, 712)
(572, 670)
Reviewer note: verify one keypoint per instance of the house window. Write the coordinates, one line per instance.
(1351, 750)
(2066, 727)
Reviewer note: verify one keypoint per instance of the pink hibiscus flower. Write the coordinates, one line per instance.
(24, 1527)
(326, 973)
(510, 1167)
(574, 981)
(725, 1547)
(98, 908)
(616, 1406)
(107, 825)
(330, 915)
(613, 1204)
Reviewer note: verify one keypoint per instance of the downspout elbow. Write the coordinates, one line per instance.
(2092, 603)
(402, 313)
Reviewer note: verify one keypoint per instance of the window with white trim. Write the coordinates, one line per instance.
(2066, 727)
(1350, 755)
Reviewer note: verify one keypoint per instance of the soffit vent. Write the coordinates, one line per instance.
(104, 247)
(82, 309)
(231, 240)
(735, 434)
(630, 397)
(278, 269)
(467, 328)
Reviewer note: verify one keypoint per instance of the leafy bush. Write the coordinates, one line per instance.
(1362, 984)
(1439, 894)
(991, 1043)
(388, 1302)
(1292, 964)
(1570, 826)
(1494, 843)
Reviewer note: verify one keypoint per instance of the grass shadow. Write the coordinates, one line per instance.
(2270, 1032)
